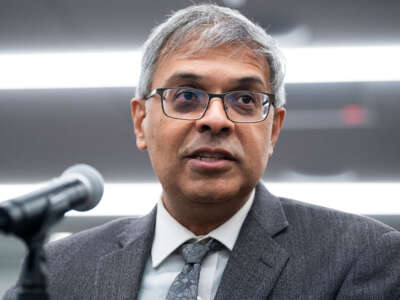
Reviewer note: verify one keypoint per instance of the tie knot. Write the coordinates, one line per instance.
(195, 252)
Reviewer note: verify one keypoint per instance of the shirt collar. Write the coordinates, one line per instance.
(170, 234)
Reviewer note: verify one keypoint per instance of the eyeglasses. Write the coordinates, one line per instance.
(186, 103)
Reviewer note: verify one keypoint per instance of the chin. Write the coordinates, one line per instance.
(213, 192)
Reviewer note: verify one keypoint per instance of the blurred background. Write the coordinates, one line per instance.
(68, 70)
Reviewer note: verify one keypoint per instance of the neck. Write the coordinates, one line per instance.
(203, 217)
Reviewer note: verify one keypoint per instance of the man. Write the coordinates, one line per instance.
(209, 109)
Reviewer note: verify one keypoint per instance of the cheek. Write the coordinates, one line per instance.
(154, 137)
(165, 136)
(155, 126)
(256, 142)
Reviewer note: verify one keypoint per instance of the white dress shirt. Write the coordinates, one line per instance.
(165, 262)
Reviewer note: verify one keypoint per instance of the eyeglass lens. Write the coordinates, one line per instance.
(241, 106)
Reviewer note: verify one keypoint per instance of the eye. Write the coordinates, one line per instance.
(244, 102)
(246, 99)
(185, 100)
(186, 95)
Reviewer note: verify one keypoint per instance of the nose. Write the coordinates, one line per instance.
(215, 119)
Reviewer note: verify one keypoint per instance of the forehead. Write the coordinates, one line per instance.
(227, 62)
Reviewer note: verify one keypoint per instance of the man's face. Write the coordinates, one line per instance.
(210, 160)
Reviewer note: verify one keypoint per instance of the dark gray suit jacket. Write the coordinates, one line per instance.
(285, 250)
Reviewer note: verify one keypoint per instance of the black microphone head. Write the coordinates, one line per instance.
(92, 179)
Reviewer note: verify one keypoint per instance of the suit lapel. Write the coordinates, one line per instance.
(256, 260)
(119, 273)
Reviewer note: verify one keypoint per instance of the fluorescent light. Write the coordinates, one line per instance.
(69, 70)
(342, 64)
(139, 198)
(121, 69)
(367, 198)
(58, 235)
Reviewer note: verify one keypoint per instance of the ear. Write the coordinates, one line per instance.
(138, 109)
(277, 123)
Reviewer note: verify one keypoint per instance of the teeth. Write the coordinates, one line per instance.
(204, 158)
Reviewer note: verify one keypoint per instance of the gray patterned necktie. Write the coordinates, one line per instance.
(185, 285)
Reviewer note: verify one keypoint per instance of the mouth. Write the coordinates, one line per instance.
(211, 155)
(211, 161)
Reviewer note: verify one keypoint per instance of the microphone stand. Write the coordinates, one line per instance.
(33, 280)
(32, 284)
(30, 217)
(31, 221)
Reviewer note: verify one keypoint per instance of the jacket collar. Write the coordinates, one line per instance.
(257, 259)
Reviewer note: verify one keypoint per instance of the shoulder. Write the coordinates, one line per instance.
(84, 247)
(320, 230)
(327, 219)
(106, 234)
(355, 256)
(305, 219)
(310, 227)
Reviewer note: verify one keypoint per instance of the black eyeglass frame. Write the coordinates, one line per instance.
(160, 91)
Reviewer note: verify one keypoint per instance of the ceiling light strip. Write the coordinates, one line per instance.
(121, 69)
(139, 198)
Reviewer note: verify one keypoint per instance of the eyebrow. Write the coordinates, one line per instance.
(183, 76)
(243, 81)
(249, 80)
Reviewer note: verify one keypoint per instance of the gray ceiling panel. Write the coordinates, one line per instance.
(27, 25)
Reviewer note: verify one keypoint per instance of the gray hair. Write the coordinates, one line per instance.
(215, 26)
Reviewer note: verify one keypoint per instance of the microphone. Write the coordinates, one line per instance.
(79, 187)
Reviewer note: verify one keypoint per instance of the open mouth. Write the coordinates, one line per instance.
(212, 156)
(211, 161)
(204, 158)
